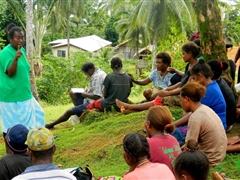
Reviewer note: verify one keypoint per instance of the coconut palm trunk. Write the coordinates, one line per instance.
(29, 45)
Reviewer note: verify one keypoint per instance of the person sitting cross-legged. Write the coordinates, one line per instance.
(160, 76)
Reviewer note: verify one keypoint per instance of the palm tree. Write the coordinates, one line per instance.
(29, 44)
(69, 8)
(151, 20)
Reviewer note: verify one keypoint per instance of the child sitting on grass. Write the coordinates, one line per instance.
(163, 146)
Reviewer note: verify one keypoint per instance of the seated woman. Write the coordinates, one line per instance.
(136, 154)
(191, 164)
(164, 148)
(213, 98)
(168, 96)
(217, 68)
(160, 77)
(204, 125)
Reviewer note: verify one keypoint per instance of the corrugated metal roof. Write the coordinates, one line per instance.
(89, 43)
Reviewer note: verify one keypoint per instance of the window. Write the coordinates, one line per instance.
(61, 53)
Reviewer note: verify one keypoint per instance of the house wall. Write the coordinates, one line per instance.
(64, 48)
(127, 51)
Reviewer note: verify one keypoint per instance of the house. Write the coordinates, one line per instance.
(124, 49)
(91, 44)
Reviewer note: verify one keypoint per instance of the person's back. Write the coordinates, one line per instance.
(164, 148)
(136, 154)
(230, 101)
(215, 100)
(150, 171)
(206, 128)
(14, 164)
(119, 87)
(41, 148)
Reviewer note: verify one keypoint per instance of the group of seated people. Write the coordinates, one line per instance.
(183, 149)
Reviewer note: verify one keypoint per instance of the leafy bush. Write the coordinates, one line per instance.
(59, 75)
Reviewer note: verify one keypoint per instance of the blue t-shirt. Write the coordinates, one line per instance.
(215, 100)
(160, 81)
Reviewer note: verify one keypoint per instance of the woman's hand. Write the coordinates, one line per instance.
(19, 53)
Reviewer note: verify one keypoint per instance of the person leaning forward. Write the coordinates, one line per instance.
(41, 148)
(83, 99)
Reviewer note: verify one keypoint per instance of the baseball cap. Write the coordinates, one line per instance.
(16, 137)
(40, 139)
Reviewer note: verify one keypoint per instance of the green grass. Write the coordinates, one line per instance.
(97, 141)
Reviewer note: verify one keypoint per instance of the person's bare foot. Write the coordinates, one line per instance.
(121, 104)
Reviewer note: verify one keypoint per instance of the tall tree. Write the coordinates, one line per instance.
(69, 8)
(29, 45)
(156, 16)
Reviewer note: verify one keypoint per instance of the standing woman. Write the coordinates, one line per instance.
(17, 104)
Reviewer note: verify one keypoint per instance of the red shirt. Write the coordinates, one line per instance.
(163, 149)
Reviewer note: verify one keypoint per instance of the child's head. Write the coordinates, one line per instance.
(116, 63)
(191, 163)
(135, 147)
(165, 57)
(160, 118)
(217, 67)
(201, 71)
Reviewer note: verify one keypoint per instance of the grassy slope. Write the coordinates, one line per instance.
(97, 141)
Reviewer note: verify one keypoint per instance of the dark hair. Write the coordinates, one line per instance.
(136, 146)
(43, 154)
(11, 29)
(202, 68)
(160, 118)
(191, 47)
(197, 42)
(166, 58)
(86, 66)
(192, 161)
(194, 90)
(217, 67)
(116, 63)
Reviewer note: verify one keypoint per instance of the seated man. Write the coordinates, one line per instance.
(18, 160)
(41, 148)
(82, 100)
(160, 77)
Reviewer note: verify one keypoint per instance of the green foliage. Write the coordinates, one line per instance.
(110, 32)
(59, 76)
(231, 23)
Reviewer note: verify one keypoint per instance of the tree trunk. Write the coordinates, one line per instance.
(29, 45)
(68, 34)
(210, 27)
(154, 50)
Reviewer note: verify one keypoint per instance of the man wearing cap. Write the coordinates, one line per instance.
(41, 148)
(18, 160)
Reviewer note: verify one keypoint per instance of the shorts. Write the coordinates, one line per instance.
(157, 101)
(95, 104)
